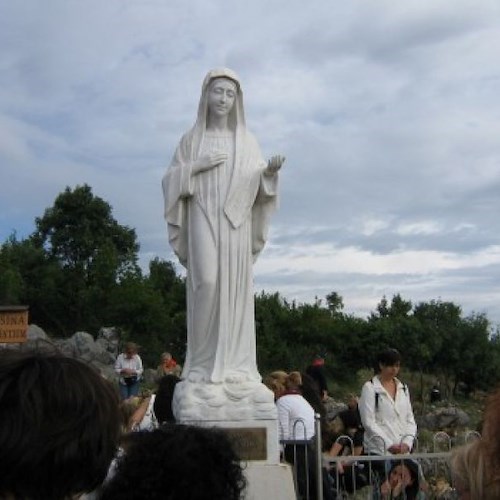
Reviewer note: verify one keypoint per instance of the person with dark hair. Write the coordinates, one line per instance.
(157, 408)
(435, 394)
(316, 371)
(348, 424)
(309, 389)
(385, 409)
(60, 426)
(402, 482)
(177, 461)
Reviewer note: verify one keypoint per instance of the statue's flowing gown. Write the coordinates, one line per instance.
(217, 222)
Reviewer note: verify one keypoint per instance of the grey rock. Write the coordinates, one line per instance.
(444, 418)
(109, 338)
(100, 354)
(333, 408)
(35, 332)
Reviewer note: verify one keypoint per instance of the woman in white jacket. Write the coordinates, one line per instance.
(386, 411)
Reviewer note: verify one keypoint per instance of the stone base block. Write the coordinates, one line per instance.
(269, 481)
(255, 441)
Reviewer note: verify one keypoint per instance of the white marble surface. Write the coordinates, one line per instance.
(219, 195)
(269, 482)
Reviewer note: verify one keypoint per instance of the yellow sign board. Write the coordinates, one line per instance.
(13, 324)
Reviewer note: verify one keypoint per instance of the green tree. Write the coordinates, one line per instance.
(11, 283)
(477, 368)
(164, 281)
(30, 277)
(93, 251)
(335, 303)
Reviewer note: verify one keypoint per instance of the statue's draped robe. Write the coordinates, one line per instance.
(217, 222)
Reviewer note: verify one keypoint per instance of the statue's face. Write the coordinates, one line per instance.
(221, 96)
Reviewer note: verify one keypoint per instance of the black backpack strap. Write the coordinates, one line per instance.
(377, 395)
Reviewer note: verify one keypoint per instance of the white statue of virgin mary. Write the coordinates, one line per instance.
(219, 194)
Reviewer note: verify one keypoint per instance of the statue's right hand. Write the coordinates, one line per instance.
(207, 162)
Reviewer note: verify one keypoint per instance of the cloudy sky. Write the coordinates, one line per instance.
(388, 114)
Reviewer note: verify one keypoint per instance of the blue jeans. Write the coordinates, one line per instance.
(127, 391)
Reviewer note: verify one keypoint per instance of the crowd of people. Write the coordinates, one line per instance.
(379, 422)
(64, 435)
(69, 433)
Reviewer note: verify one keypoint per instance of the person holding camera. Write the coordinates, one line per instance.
(128, 366)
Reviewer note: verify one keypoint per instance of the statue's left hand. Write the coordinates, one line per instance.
(274, 164)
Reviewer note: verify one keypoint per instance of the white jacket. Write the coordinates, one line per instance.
(149, 421)
(295, 417)
(391, 420)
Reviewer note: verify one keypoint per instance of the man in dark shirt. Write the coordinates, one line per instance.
(316, 371)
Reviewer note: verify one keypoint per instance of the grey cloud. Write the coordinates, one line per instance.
(386, 114)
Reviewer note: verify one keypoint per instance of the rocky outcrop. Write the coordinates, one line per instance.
(449, 417)
(101, 353)
(333, 408)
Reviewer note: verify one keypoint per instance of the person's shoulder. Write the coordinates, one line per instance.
(371, 384)
(400, 384)
(288, 399)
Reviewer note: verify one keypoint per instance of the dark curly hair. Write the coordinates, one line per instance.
(59, 426)
(177, 462)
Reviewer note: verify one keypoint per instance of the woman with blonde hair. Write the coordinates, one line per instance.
(276, 382)
(296, 423)
(168, 366)
(476, 466)
(468, 472)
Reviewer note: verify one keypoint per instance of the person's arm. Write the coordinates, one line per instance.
(139, 368)
(410, 431)
(138, 414)
(385, 490)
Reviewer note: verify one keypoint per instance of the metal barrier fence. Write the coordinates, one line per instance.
(318, 476)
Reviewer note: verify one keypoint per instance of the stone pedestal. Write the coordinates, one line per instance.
(257, 444)
(269, 481)
(245, 408)
(255, 441)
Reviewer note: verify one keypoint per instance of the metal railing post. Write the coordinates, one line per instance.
(319, 456)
